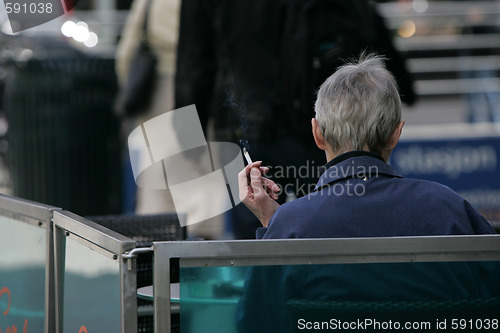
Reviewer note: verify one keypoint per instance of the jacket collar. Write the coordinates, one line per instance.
(355, 164)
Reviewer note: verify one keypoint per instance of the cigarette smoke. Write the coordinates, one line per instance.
(236, 106)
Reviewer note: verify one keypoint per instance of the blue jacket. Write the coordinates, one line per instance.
(360, 195)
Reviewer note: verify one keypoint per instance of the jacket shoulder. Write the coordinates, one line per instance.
(287, 221)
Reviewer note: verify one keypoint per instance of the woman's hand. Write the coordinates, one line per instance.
(258, 193)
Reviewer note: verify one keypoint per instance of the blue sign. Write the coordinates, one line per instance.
(470, 166)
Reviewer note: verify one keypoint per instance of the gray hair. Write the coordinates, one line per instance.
(358, 106)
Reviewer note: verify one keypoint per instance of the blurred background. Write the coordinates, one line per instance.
(62, 144)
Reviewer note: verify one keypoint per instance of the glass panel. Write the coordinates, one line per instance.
(208, 298)
(372, 297)
(22, 276)
(91, 290)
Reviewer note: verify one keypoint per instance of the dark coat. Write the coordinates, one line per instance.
(385, 205)
(254, 66)
(362, 196)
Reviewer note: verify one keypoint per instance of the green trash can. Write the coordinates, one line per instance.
(64, 139)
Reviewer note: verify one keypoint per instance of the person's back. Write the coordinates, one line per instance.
(362, 196)
(358, 124)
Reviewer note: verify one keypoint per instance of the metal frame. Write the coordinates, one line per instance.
(27, 208)
(105, 241)
(26, 211)
(310, 251)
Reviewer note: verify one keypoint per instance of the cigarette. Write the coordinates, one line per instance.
(247, 156)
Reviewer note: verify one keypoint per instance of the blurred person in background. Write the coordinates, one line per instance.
(252, 69)
(162, 32)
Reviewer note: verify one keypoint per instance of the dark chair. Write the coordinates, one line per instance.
(145, 229)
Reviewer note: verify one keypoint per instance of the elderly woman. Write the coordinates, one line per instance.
(358, 123)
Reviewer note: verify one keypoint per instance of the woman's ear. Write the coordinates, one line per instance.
(394, 137)
(318, 136)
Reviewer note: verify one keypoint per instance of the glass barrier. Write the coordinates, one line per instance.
(91, 290)
(96, 283)
(435, 284)
(60, 272)
(209, 297)
(349, 297)
(22, 274)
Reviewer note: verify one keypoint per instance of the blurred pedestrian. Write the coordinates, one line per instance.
(162, 33)
(252, 68)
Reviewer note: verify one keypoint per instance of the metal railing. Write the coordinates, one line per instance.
(88, 272)
(26, 225)
(231, 254)
(89, 239)
(48, 255)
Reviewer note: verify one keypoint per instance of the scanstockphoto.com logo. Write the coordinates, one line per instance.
(26, 14)
(170, 152)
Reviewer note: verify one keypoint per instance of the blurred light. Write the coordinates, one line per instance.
(420, 6)
(407, 29)
(92, 40)
(83, 24)
(81, 32)
(25, 55)
(68, 28)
